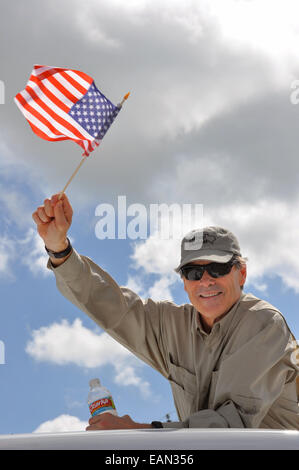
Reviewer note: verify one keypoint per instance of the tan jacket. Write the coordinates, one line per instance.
(240, 375)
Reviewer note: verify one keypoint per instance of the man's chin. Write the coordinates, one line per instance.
(212, 304)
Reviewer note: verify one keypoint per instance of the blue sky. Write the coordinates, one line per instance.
(209, 121)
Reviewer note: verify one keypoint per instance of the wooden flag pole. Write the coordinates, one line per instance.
(84, 158)
(75, 172)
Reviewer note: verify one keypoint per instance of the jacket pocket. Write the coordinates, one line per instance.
(183, 384)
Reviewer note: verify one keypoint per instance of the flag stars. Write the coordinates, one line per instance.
(94, 112)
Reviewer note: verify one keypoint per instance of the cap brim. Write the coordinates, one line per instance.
(207, 255)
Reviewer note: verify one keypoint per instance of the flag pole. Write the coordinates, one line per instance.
(84, 158)
(75, 172)
(124, 99)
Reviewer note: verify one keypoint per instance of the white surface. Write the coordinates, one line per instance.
(167, 439)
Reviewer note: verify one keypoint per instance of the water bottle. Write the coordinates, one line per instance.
(99, 399)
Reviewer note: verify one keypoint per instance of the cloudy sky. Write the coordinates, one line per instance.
(212, 120)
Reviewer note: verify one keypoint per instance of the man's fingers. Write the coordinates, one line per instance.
(92, 428)
(61, 218)
(67, 208)
(48, 208)
(95, 419)
(36, 218)
(54, 198)
(94, 423)
(42, 214)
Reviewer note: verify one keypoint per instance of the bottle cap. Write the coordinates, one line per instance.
(94, 383)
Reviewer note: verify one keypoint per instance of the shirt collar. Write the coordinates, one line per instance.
(224, 322)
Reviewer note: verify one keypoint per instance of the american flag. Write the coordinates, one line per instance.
(62, 104)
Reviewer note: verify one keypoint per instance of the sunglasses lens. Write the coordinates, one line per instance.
(219, 269)
(195, 272)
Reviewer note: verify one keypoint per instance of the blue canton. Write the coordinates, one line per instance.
(94, 112)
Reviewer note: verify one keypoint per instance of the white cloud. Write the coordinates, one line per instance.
(63, 423)
(156, 256)
(64, 343)
(34, 254)
(275, 25)
(126, 375)
(7, 254)
(160, 290)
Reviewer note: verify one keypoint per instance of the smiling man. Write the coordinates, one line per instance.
(230, 358)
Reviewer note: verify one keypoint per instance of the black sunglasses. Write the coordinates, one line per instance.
(194, 272)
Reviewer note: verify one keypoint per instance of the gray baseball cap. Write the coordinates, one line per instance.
(209, 244)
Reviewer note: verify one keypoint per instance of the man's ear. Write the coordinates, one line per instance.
(243, 274)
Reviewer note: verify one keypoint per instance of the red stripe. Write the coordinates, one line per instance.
(38, 116)
(55, 116)
(50, 95)
(83, 75)
(43, 135)
(75, 84)
(49, 73)
(63, 90)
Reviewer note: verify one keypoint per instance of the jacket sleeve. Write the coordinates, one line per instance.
(249, 380)
(133, 322)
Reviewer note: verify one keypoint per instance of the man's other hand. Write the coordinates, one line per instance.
(110, 421)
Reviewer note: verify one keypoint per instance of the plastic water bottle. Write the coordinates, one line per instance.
(99, 399)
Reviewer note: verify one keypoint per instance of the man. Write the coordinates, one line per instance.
(230, 357)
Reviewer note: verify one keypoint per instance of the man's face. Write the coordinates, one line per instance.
(213, 297)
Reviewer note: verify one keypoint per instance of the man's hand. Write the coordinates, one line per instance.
(110, 421)
(53, 220)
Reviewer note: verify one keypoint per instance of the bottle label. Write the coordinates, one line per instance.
(101, 405)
